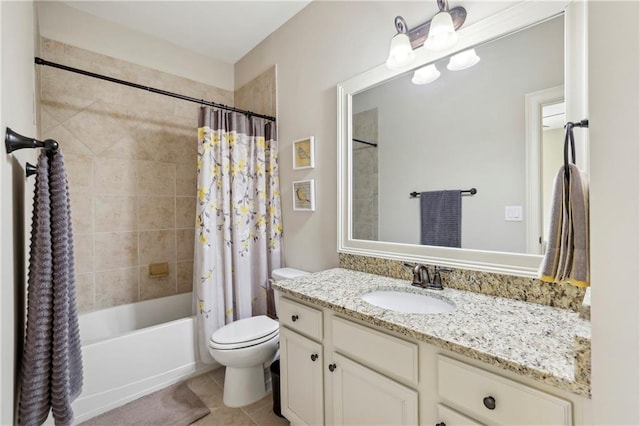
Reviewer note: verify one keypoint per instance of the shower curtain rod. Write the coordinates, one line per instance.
(365, 142)
(41, 61)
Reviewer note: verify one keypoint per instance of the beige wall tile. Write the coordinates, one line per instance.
(259, 95)
(186, 175)
(125, 148)
(116, 250)
(184, 139)
(185, 240)
(155, 178)
(115, 176)
(81, 212)
(185, 276)
(84, 292)
(151, 288)
(62, 106)
(185, 212)
(157, 246)
(115, 213)
(121, 143)
(47, 122)
(95, 128)
(156, 213)
(69, 144)
(83, 253)
(58, 85)
(116, 287)
(79, 173)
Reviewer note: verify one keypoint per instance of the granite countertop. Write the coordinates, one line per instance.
(529, 339)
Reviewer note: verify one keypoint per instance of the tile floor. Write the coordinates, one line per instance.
(209, 387)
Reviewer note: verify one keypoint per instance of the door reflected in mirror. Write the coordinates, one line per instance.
(467, 129)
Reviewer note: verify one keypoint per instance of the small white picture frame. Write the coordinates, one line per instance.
(304, 198)
(303, 154)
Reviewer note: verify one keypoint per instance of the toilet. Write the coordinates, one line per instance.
(244, 347)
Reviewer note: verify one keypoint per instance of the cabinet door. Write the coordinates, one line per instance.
(365, 397)
(301, 383)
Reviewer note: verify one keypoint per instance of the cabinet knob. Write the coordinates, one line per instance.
(441, 424)
(294, 318)
(314, 357)
(332, 367)
(489, 402)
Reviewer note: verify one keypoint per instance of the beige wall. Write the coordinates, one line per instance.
(131, 159)
(614, 139)
(61, 22)
(17, 112)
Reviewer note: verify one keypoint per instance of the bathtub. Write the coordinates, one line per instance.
(131, 350)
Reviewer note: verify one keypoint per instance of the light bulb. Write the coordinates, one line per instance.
(425, 75)
(463, 60)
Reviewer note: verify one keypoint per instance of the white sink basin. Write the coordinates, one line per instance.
(409, 303)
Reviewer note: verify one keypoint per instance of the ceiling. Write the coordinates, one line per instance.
(222, 30)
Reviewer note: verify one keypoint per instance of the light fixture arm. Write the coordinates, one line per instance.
(401, 25)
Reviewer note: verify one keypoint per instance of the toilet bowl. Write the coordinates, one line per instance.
(244, 347)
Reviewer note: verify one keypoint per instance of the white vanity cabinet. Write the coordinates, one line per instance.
(301, 386)
(301, 363)
(352, 375)
(363, 363)
(338, 371)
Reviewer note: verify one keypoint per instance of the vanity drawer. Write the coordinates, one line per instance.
(388, 354)
(474, 391)
(301, 318)
(452, 418)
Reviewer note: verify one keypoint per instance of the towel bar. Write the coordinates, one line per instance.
(471, 191)
(14, 141)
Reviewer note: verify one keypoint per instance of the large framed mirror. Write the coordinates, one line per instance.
(483, 130)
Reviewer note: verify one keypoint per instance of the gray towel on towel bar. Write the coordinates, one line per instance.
(440, 217)
(51, 373)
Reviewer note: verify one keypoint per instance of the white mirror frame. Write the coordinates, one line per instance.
(505, 22)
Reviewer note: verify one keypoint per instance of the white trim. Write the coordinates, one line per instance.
(533, 140)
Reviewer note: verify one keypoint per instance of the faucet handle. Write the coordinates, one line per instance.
(436, 284)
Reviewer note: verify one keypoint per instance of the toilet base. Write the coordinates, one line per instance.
(243, 386)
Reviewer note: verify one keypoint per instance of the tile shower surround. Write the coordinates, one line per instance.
(130, 158)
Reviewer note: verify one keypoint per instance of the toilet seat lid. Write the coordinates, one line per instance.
(247, 330)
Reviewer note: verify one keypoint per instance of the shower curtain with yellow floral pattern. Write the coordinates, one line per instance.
(238, 219)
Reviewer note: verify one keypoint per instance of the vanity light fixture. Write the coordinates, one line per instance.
(463, 60)
(436, 34)
(425, 75)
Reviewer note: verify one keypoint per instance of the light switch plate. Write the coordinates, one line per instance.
(513, 213)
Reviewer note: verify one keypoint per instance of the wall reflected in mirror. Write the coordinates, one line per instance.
(464, 130)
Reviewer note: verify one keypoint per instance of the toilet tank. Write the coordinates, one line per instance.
(286, 273)
(282, 274)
